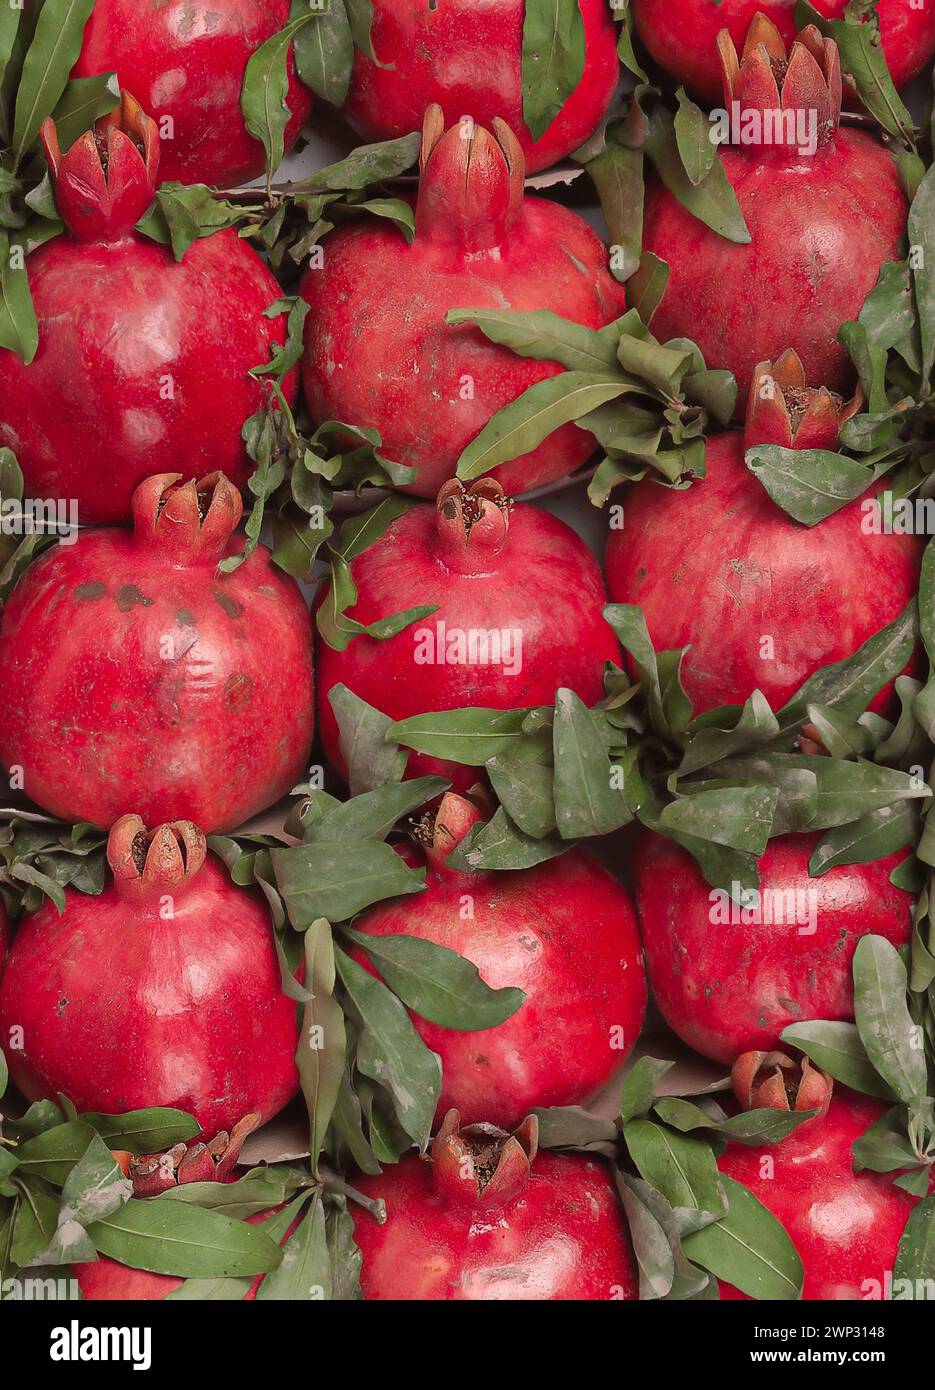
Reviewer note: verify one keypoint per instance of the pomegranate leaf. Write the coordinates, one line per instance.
(344, 1255)
(587, 800)
(185, 213)
(915, 1260)
(884, 1148)
(873, 836)
(678, 1166)
(305, 1272)
(144, 1131)
(499, 844)
(9, 23)
(167, 1237)
(893, 1041)
(371, 759)
(837, 1049)
(338, 881)
(858, 38)
(655, 1230)
(638, 1091)
(367, 164)
(693, 130)
(322, 1047)
(525, 790)
(82, 102)
(739, 818)
(617, 174)
(922, 261)
(553, 59)
(33, 1224)
(19, 329)
(753, 1127)
(646, 288)
(372, 815)
(713, 201)
(324, 50)
(52, 1154)
(542, 335)
(437, 983)
(809, 484)
(466, 736)
(573, 1127)
(264, 95)
(850, 684)
(51, 55)
(748, 1248)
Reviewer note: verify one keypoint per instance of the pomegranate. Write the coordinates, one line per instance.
(728, 980)
(185, 60)
(822, 223)
(377, 349)
(771, 601)
(519, 616)
(133, 671)
(565, 933)
(846, 1226)
(468, 57)
(142, 361)
(488, 1218)
(682, 38)
(164, 990)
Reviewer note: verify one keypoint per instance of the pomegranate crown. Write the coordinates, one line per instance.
(153, 861)
(482, 1166)
(774, 1081)
(782, 409)
(779, 83)
(151, 1174)
(471, 190)
(472, 524)
(440, 832)
(190, 523)
(107, 179)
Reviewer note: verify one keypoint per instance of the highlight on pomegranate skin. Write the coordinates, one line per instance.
(467, 703)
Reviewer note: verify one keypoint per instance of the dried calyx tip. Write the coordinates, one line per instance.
(481, 1164)
(776, 1081)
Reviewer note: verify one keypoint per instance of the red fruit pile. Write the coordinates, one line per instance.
(162, 991)
(161, 693)
(519, 599)
(480, 243)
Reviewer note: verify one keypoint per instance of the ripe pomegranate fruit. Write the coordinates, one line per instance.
(164, 990)
(682, 38)
(142, 361)
(479, 244)
(728, 980)
(565, 933)
(846, 1226)
(519, 615)
(768, 601)
(134, 672)
(821, 223)
(468, 57)
(488, 1218)
(185, 60)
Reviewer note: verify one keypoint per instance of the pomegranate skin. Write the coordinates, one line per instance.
(185, 60)
(163, 991)
(542, 583)
(683, 38)
(565, 933)
(745, 571)
(134, 672)
(821, 227)
(479, 244)
(846, 1226)
(728, 988)
(562, 1238)
(468, 57)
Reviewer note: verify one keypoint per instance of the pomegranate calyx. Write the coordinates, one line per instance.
(775, 1081)
(107, 179)
(783, 409)
(471, 189)
(194, 521)
(440, 832)
(472, 523)
(144, 860)
(482, 1165)
(186, 1163)
(778, 82)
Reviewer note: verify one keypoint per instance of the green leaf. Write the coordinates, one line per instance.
(52, 54)
(499, 844)
(522, 426)
(617, 174)
(365, 165)
(465, 736)
(372, 815)
(337, 881)
(172, 1238)
(922, 262)
(697, 151)
(145, 1131)
(585, 801)
(305, 1271)
(836, 1048)
(915, 1259)
(552, 59)
(265, 88)
(639, 1087)
(19, 330)
(322, 1041)
(390, 1051)
(740, 818)
(748, 1248)
(83, 101)
(678, 1166)
(850, 685)
(324, 51)
(713, 201)
(525, 790)
(366, 747)
(543, 336)
(808, 484)
(437, 983)
(893, 1042)
(646, 289)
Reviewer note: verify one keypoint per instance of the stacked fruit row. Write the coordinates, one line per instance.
(431, 950)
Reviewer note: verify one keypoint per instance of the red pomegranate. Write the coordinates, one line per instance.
(519, 615)
(163, 991)
(565, 933)
(487, 1218)
(822, 223)
(763, 601)
(728, 979)
(468, 57)
(377, 349)
(846, 1226)
(142, 361)
(682, 38)
(134, 672)
(185, 60)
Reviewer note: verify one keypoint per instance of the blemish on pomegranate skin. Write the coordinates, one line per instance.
(184, 618)
(231, 607)
(61, 1006)
(128, 596)
(87, 592)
